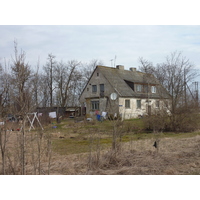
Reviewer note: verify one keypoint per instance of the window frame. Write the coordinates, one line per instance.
(139, 103)
(127, 101)
(139, 88)
(153, 89)
(100, 87)
(95, 105)
(157, 104)
(94, 88)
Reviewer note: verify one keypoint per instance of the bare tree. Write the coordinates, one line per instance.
(4, 90)
(88, 68)
(3, 148)
(44, 92)
(36, 85)
(65, 76)
(21, 74)
(49, 71)
(174, 74)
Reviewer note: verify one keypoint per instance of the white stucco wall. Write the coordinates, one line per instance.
(133, 112)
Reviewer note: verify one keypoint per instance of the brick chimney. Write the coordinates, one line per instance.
(133, 69)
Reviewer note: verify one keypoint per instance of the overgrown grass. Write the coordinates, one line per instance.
(131, 130)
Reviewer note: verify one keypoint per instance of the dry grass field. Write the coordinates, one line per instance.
(85, 148)
(176, 156)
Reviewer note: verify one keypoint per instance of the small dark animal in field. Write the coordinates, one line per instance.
(61, 137)
(155, 144)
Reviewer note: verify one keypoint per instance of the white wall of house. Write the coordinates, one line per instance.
(132, 111)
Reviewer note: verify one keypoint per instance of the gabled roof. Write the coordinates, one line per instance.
(118, 77)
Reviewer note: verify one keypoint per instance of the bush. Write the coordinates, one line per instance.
(184, 120)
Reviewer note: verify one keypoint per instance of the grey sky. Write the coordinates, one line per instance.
(84, 43)
(103, 42)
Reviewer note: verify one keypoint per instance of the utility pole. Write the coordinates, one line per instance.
(185, 87)
(196, 93)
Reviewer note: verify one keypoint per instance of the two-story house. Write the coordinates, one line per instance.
(126, 93)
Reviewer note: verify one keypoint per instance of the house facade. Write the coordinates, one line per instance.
(124, 93)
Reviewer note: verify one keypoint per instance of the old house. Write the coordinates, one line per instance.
(124, 93)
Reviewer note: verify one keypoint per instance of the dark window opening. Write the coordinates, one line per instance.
(127, 103)
(145, 87)
(130, 84)
(157, 104)
(101, 90)
(101, 87)
(138, 104)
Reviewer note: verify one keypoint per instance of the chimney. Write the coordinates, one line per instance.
(133, 69)
(121, 67)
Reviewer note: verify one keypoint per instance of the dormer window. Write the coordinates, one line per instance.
(139, 88)
(153, 89)
(130, 84)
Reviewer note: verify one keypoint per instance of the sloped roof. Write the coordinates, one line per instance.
(117, 77)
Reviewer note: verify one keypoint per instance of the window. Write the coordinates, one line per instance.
(101, 90)
(127, 103)
(87, 89)
(138, 104)
(139, 88)
(101, 87)
(95, 105)
(153, 89)
(145, 88)
(157, 104)
(94, 88)
(166, 104)
(97, 74)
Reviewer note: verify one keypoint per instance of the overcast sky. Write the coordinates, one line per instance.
(103, 42)
(85, 43)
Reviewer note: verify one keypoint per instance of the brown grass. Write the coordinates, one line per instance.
(176, 155)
